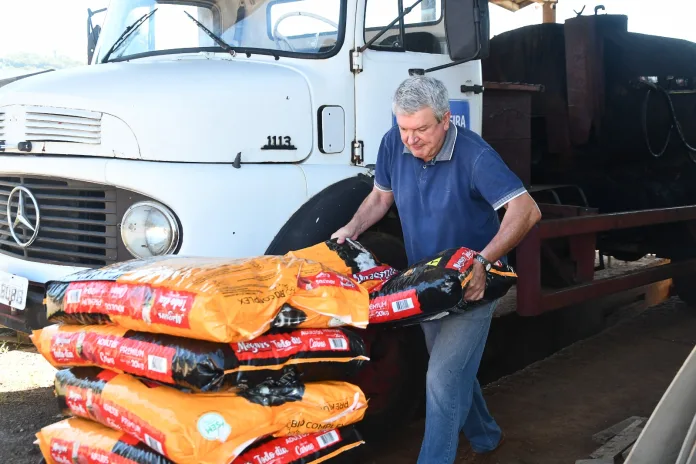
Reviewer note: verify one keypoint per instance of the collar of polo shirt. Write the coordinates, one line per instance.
(445, 153)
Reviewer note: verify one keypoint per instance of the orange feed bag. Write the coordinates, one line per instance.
(206, 428)
(81, 441)
(212, 299)
(349, 258)
(310, 448)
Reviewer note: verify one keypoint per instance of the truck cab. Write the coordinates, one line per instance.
(213, 128)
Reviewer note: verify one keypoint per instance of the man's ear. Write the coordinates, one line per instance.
(446, 118)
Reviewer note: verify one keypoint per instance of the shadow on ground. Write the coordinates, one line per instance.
(22, 414)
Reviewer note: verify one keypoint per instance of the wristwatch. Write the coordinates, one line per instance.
(486, 264)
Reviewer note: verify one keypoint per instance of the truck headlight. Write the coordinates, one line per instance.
(149, 229)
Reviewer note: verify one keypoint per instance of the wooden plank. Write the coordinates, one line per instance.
(609, 433)
(620, 442)
(549, 13)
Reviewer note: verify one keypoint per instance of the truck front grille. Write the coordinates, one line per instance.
(78, 221)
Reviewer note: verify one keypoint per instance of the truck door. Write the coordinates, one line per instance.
(386, 64)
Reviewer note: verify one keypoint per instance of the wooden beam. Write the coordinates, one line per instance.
(516, 5)
(549, 12)
(507, 4)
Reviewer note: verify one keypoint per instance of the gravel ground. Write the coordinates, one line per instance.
(26, 404)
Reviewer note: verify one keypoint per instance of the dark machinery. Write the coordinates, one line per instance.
(601, 124)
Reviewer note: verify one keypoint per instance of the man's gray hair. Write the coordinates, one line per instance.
(418, 92)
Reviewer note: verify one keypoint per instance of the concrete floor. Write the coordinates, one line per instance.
(551, 409)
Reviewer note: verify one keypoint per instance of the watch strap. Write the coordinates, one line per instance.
(486, 264)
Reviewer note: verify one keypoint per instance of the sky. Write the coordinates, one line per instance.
(46, 26)
(59, 26)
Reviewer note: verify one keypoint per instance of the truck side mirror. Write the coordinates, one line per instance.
(467, 26)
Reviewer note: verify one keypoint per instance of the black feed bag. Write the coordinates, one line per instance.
(434, 287)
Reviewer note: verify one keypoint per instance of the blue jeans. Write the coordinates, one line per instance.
(454, 401)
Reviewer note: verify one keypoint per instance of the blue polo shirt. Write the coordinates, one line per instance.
(450, 201)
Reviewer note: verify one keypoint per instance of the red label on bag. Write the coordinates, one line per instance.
(61, 451)
(65, 348)
(68, 452)
(90, 455)
(289, 449)
(461, 260)
(102, 297)
(146, 360)
(84, 402)
(326, 279)
(144, 432)
(79, 401)
(112, 351)
(152, 305)
(383, 273)
(170, 308)
(394, 307)
(280, 346)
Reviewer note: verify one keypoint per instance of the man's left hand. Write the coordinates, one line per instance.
(477, 284)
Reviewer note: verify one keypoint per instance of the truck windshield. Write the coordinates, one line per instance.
(302, 28)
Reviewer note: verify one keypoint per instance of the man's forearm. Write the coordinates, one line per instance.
(517, 222)
(372, 209)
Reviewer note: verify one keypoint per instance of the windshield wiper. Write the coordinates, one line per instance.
(389, 26)
(224, 45)
(129, 30)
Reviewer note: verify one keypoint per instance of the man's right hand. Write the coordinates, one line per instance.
(372, 209)
(345, 232)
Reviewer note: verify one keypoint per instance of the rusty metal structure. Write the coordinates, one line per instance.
(600, 124)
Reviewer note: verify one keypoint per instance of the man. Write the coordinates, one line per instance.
(447, 183)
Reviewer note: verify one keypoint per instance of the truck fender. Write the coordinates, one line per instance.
(322, 215)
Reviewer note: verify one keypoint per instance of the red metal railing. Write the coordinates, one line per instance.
(533, 300)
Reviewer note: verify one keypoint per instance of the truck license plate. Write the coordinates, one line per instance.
(13, 290)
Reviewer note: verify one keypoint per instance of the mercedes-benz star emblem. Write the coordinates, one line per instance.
(20, 216)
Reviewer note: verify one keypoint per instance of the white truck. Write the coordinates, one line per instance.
(216, 128)
(172, 141)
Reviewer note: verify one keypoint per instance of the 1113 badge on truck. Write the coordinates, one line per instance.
(279, 143)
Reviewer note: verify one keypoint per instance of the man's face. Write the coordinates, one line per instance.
(421, 133)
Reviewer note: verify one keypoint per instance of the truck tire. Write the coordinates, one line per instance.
(394, 378)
